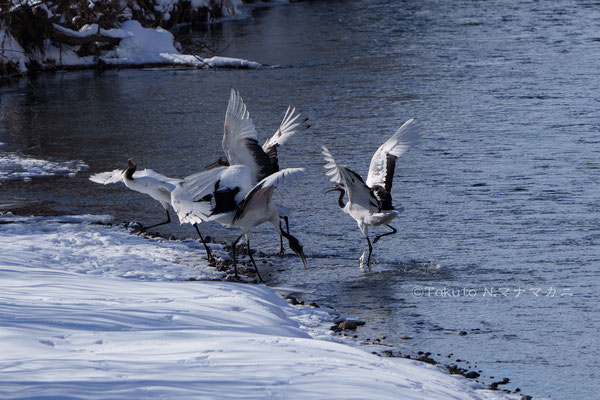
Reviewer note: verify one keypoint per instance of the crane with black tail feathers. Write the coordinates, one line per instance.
(370, 202)
(241, 146)
(226, 195)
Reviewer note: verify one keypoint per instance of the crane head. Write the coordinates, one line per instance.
(221, 162)
(337, 186)
(297, 248)
(130, 163)
(295, 244)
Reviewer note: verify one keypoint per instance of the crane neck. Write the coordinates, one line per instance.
(129, 171)
(341, 198)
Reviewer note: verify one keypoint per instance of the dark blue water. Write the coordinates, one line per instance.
(501, 198)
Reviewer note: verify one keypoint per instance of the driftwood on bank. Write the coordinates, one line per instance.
(61, 36)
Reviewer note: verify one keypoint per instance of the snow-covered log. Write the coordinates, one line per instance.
(90, 35)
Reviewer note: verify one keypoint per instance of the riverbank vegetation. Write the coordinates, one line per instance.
(60, 34)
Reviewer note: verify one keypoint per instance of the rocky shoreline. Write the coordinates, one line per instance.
(469, 370)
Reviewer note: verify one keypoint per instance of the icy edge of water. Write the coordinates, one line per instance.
(15, 166)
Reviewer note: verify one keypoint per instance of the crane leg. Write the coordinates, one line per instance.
(209, 255)
(287, 228)
(144, 229)
(385, 234)
(281, 249)
(252, 259)
(233, 256)
(370, 251)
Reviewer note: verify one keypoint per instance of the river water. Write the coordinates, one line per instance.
(500, 234)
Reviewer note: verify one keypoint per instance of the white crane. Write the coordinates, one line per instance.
(370, 203)
(226, 195)
(155, 185)
(240, 144)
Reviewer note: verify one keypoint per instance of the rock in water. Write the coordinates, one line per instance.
(472, 375)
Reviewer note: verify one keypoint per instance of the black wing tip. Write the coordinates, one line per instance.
(390, 167)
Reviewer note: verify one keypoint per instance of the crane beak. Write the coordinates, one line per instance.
(212, 165)
(331, 189)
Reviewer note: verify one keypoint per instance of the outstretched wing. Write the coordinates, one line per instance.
(188, 210)
(358, 192)
(383, 163)
(204, 194)
(148, 173)
(186, 198)
(263, 190)
(288, 127)
(202, 183)
(115, 176)
(240, 141)
(105, 178)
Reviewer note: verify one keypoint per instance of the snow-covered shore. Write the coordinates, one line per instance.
(89, 311)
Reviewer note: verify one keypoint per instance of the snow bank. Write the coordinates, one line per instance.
(143, 46)
(14, 166)
(72, 327)
(128, 45)
(62, 244)
(228, 62)
(155, 46)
